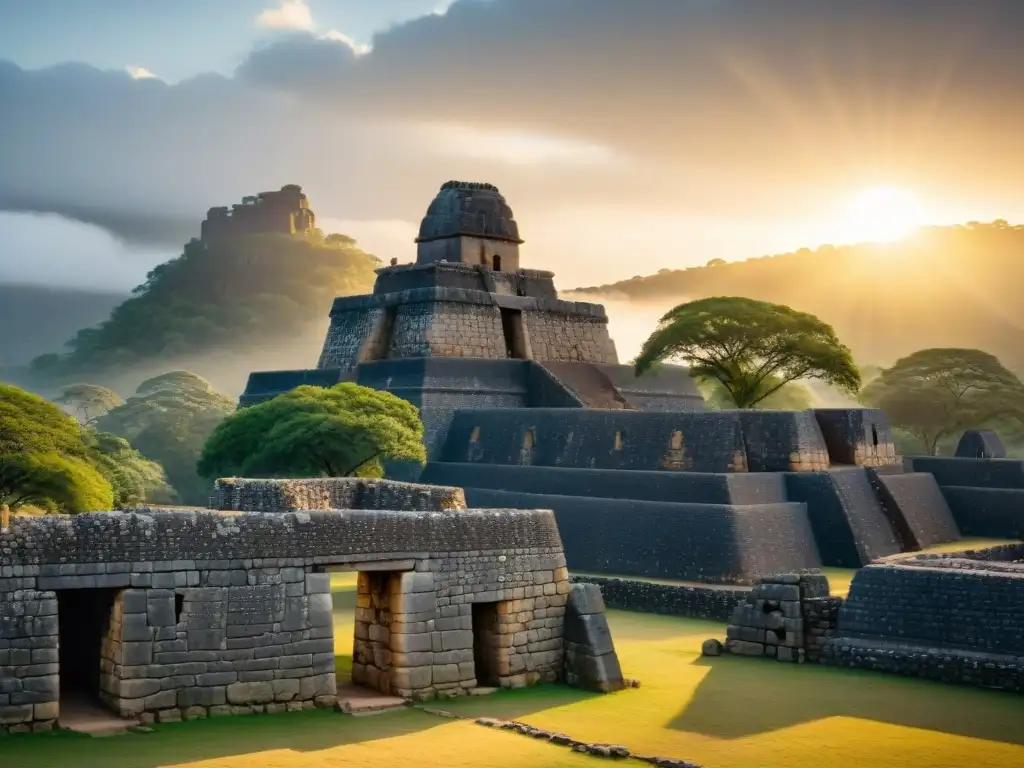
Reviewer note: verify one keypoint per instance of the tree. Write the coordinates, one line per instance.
(89, 401)
(338, 432)
(133, 477)
(790, 397)
(936, 394)
(44, 459)
(168, 420)
(752, 349)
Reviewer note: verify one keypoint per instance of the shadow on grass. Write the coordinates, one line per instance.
(743, 697)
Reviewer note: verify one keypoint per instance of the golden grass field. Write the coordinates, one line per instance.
(721, 713)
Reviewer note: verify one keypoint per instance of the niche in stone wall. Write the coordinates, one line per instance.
(620, 440)
(529, 440)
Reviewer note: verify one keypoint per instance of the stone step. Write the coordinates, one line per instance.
(357, 701)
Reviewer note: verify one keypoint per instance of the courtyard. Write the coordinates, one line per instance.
(721, 713)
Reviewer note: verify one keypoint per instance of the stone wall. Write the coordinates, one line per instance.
(569, 338)
(695, 602)
(448, 329)
(251, 495)
(956, 618)
(711, 543)
(214, 613)
(821, 616)
(352, 336)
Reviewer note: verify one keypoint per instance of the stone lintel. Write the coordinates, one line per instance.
(371, 565)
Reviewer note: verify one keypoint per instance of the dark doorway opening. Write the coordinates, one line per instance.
(515, 335)
(497, 263)
(874, 436)
(83, 620)
(485, 644)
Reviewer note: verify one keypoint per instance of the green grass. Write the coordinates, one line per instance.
(722, 713)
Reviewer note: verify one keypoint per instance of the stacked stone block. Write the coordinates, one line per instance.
(591, 662)
(29, 682)
(561, 337)
(771, 622)
(249, 495)
(821, 615)
(227, 613)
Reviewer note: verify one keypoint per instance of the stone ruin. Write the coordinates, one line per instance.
(170, 614)
(525, 405)
(785, 617)
(954, 617)
(284, 212)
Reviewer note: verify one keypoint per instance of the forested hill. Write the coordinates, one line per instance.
(238, 295)
(943, 287)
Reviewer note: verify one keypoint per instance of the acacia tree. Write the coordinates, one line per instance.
(935, 394)
(751, 349)
(311, 431)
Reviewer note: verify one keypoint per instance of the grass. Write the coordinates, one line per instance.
(722, 713)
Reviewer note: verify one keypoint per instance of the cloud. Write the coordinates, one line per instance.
(289, 14)
(139, 73)
(334, 36)
(736, 112)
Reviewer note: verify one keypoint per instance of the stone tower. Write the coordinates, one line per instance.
(469, 223)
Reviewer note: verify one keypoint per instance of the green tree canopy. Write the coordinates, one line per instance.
(935, 394)
(44, 458)
(168, 420)
(88, 401)
(308, 432)
(133, 477)
(752, 349)
(232, 293)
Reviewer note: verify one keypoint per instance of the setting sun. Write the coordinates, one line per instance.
(883, 214)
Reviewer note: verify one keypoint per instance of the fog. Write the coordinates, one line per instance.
(46, 249)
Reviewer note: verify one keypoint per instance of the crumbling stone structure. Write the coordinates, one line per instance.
(525, 405)
(984, 489)
(285, 212)
(780, 618)
(956, 618)
(165, 614)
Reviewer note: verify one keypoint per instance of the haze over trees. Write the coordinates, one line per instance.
(942, 287)
(347, 430)
(238, 293)
(750, 349)
(937, 394)
(168, 420)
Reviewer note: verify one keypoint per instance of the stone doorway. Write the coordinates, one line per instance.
(515, 333)
(84, 619)
(370, 690)
(485, 644)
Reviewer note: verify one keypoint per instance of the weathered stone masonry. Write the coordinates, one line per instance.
(229, 612)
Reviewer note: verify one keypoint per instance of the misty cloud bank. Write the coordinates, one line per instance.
(47, 249)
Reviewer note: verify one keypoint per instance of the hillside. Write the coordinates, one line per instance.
(232, 300)
(943, 287)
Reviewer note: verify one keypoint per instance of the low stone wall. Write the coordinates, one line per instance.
(770, 622)
(253, 495)
(713, 604)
